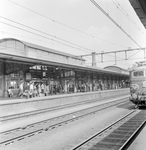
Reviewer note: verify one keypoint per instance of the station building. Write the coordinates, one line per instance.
(122, 71)
(27, 62)
(117, 69)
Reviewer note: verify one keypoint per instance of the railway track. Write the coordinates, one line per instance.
(117, 136)
(46, 110)
(35, 112)
(18, 134)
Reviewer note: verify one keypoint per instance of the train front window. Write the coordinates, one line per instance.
(138, 74)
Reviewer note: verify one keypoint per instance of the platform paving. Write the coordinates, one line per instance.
(4, 126)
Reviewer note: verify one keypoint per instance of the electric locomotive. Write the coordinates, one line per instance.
(138, 84)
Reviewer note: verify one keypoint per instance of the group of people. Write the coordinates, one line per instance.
(38, 89)
(32, 89)
(35, 89)
(82, 87)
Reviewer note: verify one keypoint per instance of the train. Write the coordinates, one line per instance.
(138, 84)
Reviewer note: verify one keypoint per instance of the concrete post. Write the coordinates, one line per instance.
(48, 81)
(93, 59)
(4, 80)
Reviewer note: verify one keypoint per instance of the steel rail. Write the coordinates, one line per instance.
(129, 129)
(31, 113)
(132, 137)
(38, 111)
(64, 120)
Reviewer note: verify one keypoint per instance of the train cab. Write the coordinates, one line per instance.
(138, 85)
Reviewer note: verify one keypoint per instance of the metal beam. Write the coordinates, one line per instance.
(115, 53)
(119, 51)
(133, 49)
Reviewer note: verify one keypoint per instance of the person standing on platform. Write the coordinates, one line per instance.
(75, 89)
(21, 89)
(60, 88)
(42, 88)
(31, 90)
(47, 89)
(35, 90)
(10, 93)
(39, 90)
(85, 87)
(90, 87)
(26, 90)
(65, 88)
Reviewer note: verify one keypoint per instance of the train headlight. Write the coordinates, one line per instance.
(134, 88)
(134, 96)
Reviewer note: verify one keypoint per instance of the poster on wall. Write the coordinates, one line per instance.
(28, 76)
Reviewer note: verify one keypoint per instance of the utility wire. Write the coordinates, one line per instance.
(125, 13)
(40, 35)
(107, 15)
(22, 36)
(134, 54)
(46, 33)
(64, 24)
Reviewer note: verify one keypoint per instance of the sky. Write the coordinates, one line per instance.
(76, 27)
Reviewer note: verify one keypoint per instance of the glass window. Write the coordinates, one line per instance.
(13, 84)
(69, 73)
(14, 75)
(138, 74)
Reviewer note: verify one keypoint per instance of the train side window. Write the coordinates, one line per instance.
(138, 74)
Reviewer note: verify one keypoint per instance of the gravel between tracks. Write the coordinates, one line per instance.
(62, 137)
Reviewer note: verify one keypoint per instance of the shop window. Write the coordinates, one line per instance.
(14, 75)
(13, 84)
(69, 74)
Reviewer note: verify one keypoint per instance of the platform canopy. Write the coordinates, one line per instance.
(13, 49)
(19, 55)
(140, 8)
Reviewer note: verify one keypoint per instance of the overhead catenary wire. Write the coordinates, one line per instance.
(59, 23)
(41, 36)
(124, 12)
(23, 36)
(46, 34)
(107, 15)
(53, 20)
(123, 60)
(134, 54)
(127, 15)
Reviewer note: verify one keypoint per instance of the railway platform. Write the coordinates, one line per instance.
(17, 106)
